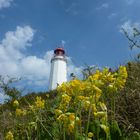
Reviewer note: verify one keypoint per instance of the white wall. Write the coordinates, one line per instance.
(58, 73)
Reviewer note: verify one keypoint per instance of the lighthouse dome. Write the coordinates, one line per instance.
(59, 51)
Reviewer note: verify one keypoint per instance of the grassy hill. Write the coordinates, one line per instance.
(35, 116)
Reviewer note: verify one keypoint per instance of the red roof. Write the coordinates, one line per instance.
(59, 49)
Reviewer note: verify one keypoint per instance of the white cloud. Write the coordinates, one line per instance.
(11, 50)
(5, 3)
(128, 26)
(14, 62)
(103, 6)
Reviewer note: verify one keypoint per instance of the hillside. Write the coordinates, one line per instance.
(122, 122)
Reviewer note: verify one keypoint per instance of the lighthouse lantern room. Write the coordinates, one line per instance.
(58, 73)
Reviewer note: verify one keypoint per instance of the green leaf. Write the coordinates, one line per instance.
(115, 131)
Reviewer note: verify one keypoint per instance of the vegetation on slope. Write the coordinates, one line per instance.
(103, 106)
(99, 107)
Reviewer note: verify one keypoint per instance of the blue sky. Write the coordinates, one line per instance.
(89, 30)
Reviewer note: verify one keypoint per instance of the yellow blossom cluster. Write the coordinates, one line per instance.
(39, 103)
(15, 103)
(20, 112)
(111, 80)
(90, 134)
(71, 87)
(31, 110)
(105, 128)
(9, 136)
(68, 120)
(122, 76)
(86, 96)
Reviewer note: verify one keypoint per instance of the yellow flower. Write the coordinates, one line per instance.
(62, 88)
(9, 136)
(94, 109)
(103, 106)
(66, 98)
(58, 111)
(86, 105)
(82, 86)
(103, 120)
(32, 108)
(33, 125)
(96, 89)
(20, 112)
(100, 114)
(40, 103)
(105, 128)
(95, 76)
(70, 127)
(62, 117)
(80, 98)
(96, 96)
(75, 83)
(72, 117)
(78, 121)
(90, 134)
(110, 86)
(15, 103)
(123, 72)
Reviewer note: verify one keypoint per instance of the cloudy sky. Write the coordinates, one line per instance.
(88, 29)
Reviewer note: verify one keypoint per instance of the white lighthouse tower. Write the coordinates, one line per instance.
(58, 73)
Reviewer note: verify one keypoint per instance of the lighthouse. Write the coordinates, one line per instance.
(58, 73)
